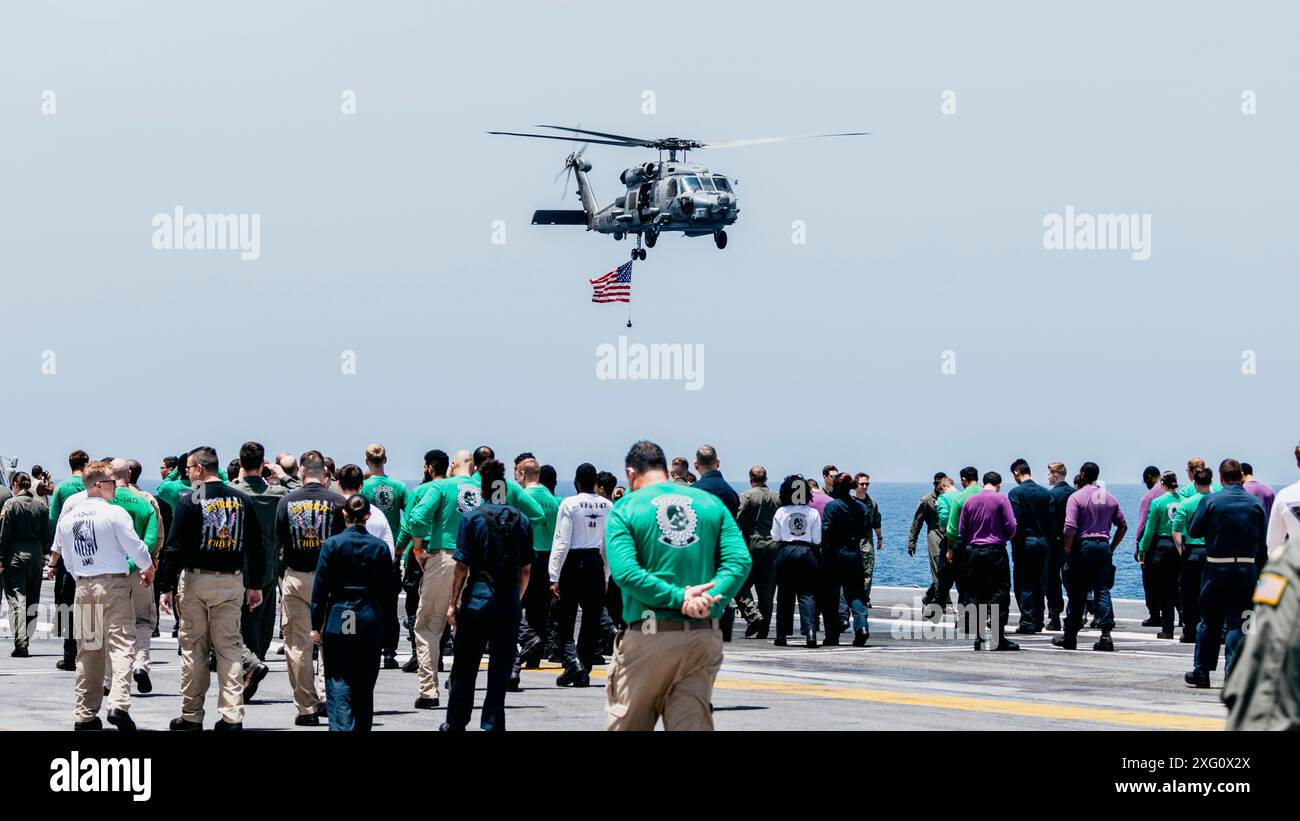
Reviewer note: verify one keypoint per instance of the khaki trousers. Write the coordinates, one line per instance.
(666, 675)
(431, 617)
(209, 605)
(295, 601)
(142, 607)
(102, 616)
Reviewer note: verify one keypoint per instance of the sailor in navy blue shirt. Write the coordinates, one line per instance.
(494, 553)
(1234, 525)
(712, 481)
(348, 599)
(1030, 550)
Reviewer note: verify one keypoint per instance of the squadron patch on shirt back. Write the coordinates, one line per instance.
(676, 518)
(468, 497)
(798, 524)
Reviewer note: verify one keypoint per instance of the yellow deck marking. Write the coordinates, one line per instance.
(1029, 709)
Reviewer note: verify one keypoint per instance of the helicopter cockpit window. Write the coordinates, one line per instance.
(696, 184)
(721, 184)
(672, 189)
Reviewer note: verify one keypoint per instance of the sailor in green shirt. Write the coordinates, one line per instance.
(970, 486)
(436, 463)
(1157, 551)
(388, 496)
(434, 523)
(146, 524)
(65, 586)
(678, 557)
(1192, 550)
(382, 490)
(1194, 464)
(537, 625)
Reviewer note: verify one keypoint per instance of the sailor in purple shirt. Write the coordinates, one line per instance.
(1150, 478)
(1256, 488)
(1090, 513)
(987, 524)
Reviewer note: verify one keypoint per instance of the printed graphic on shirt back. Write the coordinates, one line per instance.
(223, 523)
(468, 497)
(384, 497)
(676, 518)
(798, 524)
(309, 522)
(83, 541)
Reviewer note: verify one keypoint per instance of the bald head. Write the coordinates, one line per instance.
(121, 471)
(462, 463)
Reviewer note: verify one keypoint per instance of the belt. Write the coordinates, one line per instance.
(204, 570)
(108, 576)
(1229, 560)
(664, 625)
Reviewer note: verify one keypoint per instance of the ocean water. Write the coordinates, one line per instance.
(898, 502)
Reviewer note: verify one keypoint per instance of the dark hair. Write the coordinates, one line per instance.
(438, 460)
(1247, 469)
(758, 474)
(311, 463)
(492, 480)
(548, 477)
(1203, 476)
(1079, 481)
(134, 469)
(1089, 471)
(37, 472)
(525, 455)
(969, 474)
(205, 458)
(706, 456)
(939, 477)
(1021, 467)
(584, 478)
(78, 459)
(645, 456)
(606, 481)
(329, 465)
(992, 478)
(232, 469)
(792, 484)
(356, 508)
(251, 456)
(1151, 472)
(351, 476)
(1169, 479)
(1229, 471)
(841, 486)
(482, 453)
(22, 481)
(171, 461)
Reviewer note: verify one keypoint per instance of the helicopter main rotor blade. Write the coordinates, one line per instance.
(628, 140)
(569, 139)
(765, 140)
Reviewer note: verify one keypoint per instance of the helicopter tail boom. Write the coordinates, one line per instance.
(574, 217)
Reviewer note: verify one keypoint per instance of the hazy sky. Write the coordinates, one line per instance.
(926, 237)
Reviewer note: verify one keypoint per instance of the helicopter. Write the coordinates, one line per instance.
(661, 196)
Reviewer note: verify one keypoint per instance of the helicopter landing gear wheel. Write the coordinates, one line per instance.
(651, 237)
(638, 252)
(720, 239)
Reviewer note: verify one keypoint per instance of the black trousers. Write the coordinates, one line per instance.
(796, 573)
(1163, 568)
(1189, 582)
(1053, 588)
(951, 573)
(1031, 562)
(65, 592)
(988, 584)
(537, 599)
(257, 626)
(485, 620)
(392, 629)
(582, 585)
(1149, 593)
(411, 586)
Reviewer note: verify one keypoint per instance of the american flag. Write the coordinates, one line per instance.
(616, 286)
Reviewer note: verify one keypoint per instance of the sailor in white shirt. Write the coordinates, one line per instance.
(377, 525)
(579, 574)
(1284, 519)
(798, 527)
(95, 540)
